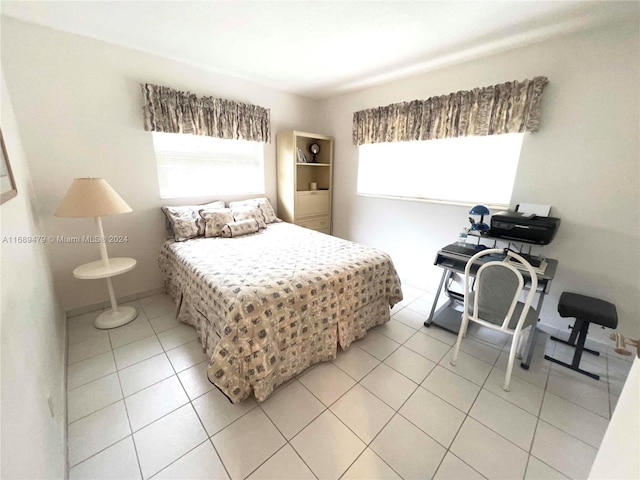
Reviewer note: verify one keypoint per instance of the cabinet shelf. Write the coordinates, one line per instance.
(313, 164)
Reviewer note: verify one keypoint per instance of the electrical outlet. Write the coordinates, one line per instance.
(50, 403)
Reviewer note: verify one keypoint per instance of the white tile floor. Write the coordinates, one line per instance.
(140, 406)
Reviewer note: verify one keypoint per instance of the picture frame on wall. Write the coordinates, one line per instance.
(8, 188)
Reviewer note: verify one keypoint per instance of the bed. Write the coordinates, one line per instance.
(268, 305)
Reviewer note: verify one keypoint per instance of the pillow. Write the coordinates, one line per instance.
(244, 212)
(214, 220)
(237, 229)
(185, 221)
(263, 204)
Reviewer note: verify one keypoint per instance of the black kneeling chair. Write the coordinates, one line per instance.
(585, 310)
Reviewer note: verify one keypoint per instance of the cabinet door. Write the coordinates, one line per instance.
(312, 203)
(321, 224)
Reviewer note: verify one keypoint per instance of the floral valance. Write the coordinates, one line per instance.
(168, 110)
(512, 107)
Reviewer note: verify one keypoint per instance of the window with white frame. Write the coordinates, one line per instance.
(462, 170)
(195, 166)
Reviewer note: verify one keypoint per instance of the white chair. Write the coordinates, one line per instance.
(495, 302)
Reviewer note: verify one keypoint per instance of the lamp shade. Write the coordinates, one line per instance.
(91, 197)
(479, 210)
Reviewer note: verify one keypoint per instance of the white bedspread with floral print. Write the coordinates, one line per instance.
(268, 305)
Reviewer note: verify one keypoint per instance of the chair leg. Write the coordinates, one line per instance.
(464, 326)
(577, 326)
(512, 355)
(577, 355)
(575, 331)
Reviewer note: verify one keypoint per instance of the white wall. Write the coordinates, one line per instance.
(619, 453)
(79, 105)
(32, 333)
(584, 162)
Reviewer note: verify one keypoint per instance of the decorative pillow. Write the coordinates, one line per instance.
(263, 204)
(245, 212)
(185, 221)
(214, 220)
(237, 229)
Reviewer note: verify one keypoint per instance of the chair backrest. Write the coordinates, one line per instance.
(498, 285)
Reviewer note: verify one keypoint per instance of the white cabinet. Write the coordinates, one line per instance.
(304, 179)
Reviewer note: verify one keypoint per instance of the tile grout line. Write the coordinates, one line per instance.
(112, 349)
(123, 398)
(368, 445)
(126, 409)
(113, 403)
(467, 415)
(609, 387)
(537, 416)
(328, 408)
(195, 410)
(396, 411)
(577, 404)
(189, 402)
(70, 467)
(97, 378)
(133, 441)
(286, 442)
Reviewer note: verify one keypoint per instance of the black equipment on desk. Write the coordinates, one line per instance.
(524, 227)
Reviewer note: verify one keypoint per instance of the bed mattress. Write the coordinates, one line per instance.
(268, 305)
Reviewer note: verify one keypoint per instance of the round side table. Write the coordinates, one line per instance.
(117, 316)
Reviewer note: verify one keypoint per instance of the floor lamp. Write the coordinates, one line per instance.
(94, 197)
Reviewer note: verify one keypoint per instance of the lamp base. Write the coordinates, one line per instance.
(115, 318)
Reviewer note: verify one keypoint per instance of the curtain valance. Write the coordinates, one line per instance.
(171, 111)
(512, 107)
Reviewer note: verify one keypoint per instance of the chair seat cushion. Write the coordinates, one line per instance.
(489, 315)
(588, 309)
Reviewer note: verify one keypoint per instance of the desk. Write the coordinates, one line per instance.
(453, 259)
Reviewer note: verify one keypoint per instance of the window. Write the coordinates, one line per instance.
(198, 166)
(463, 170)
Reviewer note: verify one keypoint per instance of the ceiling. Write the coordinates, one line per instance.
(320, 48)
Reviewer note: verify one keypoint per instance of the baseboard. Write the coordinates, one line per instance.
(74, 312)
(65, 377)
(592, 343)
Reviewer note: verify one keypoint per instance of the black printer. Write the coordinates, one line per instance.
(523, 227)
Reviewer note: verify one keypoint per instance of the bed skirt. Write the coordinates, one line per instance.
(294, 358)
(269, 305)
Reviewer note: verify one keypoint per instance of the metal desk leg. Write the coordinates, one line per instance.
(531, 341)
(445, 274)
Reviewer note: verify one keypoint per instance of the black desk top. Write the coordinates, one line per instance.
(455, 257)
